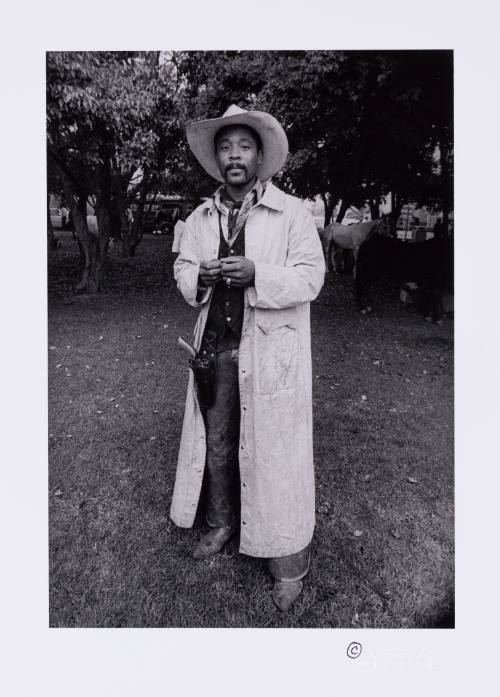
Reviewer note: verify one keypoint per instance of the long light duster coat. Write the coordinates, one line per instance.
(275, 455)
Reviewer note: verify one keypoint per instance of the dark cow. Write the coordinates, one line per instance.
(429, 264)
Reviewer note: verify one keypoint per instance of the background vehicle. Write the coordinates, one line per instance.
(159, 216)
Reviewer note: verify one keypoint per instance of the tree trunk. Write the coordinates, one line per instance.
(132, 237)
(92, 247)
(344, 207)
(77, 201)
(132, 230)
(329, 201)
(88, 242)
(103, 216)
(131, 233)
(93, 272)
(96, 246)
(396, 208)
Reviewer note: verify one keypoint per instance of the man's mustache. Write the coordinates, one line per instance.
(237, 167)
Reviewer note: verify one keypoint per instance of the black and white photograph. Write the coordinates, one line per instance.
(250, 348)
(250, 327)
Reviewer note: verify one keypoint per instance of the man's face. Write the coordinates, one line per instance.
(238, 156)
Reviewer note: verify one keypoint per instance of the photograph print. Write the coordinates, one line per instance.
(250, 339)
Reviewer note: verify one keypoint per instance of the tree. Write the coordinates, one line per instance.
(110, 121)
(360, 124)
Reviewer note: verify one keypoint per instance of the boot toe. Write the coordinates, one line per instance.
(213, 542)
(285, 593)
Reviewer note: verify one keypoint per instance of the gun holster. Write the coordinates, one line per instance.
(204, 370)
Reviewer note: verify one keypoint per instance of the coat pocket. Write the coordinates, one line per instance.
(277, 353)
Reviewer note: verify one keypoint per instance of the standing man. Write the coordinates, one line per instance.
(251, 260)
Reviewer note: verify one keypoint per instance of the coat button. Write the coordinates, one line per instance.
(244, 485)
(243, 522)
(244, 408)
(243, 370)
(228, 319)
(232, 251)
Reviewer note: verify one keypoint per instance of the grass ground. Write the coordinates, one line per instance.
(383, 408)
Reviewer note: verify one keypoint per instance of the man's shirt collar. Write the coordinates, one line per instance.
(272, 198)
(217, 196)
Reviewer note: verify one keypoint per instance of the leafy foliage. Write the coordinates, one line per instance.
(360, 124)
(110, 125)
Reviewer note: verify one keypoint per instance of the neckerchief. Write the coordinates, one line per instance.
(237, 211)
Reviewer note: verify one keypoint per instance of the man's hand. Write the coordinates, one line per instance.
(238, 271)
(210, 272)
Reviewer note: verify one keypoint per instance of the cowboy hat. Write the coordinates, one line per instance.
(201, 134)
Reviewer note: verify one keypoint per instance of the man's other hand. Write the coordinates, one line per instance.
(238, 271)
(210, 272)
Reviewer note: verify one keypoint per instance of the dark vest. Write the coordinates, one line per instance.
(225, 316)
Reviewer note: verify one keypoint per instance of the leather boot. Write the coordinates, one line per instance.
(213, 542)
(285, 593)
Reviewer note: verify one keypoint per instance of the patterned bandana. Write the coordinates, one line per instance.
(237, 211)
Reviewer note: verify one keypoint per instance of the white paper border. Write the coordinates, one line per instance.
(42, 661)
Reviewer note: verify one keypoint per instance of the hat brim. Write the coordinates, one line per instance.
(201, 134)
